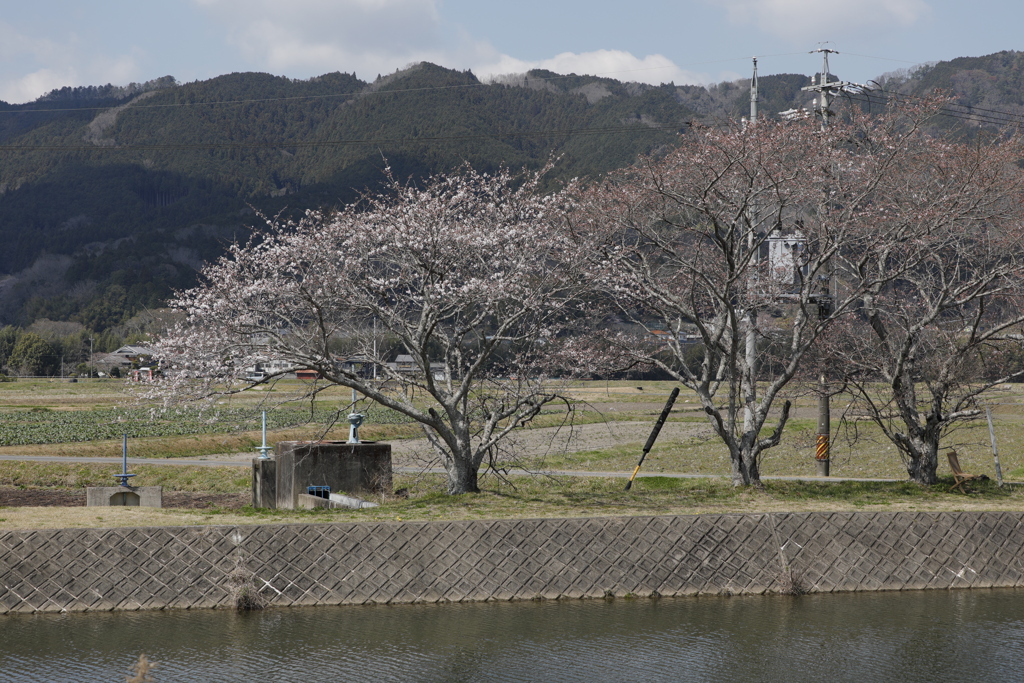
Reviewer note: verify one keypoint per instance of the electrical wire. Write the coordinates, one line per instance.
(993, 116)
(974, 114)
(560, 132)
(367, 93)
(884, 59)
(360, 94)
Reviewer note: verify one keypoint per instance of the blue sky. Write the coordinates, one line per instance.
(47, 44)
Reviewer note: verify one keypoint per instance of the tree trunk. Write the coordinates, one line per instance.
(462, 476)
(745, 471)
(749, 469)
(923, 462)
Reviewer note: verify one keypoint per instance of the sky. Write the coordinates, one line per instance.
(47, 44)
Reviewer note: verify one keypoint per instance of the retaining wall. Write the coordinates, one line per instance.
(396, 562)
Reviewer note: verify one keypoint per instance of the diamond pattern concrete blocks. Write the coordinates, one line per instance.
(509, 559)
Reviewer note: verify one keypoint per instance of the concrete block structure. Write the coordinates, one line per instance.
(264, 483)
(356, 468)
(391, 562)
(137, 496)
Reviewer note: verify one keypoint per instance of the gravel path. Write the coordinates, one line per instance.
(541, 441)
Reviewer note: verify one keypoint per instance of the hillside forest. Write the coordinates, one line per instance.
(112, 197)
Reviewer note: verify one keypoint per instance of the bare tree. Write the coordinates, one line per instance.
(926, 345)
(457, 275)
(695, 247)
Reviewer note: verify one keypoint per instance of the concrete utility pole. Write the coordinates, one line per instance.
(749, 379)
(753, 94)
(827, 90)
(825, 87)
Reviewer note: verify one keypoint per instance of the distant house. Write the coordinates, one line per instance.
(360, 366)
(132, 353)
(124, 357)
(405, 365)
(786, 257)
(268, 368)
(688, 334)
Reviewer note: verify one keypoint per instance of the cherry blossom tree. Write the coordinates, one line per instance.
(456, 273)
(694, 249)
(926, 345)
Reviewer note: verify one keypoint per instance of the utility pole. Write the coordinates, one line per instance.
(749, 379)
(753, 94)
(827, 90)
(825, 87)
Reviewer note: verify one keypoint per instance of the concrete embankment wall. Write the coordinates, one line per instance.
(404, 562)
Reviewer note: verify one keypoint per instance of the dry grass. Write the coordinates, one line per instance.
(528, 497)
(615, 418)
(60, 394)
(618, 414)
(141, 672)
(172, 477)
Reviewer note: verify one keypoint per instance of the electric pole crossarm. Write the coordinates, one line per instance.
(831, 85)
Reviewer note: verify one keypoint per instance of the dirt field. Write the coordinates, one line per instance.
(13, 497)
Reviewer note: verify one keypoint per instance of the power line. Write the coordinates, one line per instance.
(367, 92)
(363, 93)
(1008, 118)
(994, 116)
(558, 132)
(884, 59)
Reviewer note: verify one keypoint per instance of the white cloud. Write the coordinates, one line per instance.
(617, 64)
(31, 86)
(316, 36)
(812, 20)
(378, 36)
(42, 65)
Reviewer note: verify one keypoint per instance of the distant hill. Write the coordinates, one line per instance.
(110, 197)
(988, 91)
(120, 193)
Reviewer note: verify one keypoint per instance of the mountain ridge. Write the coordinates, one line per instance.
(117, 193)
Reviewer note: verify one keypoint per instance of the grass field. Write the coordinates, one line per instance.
(521, 497)
(612, 420)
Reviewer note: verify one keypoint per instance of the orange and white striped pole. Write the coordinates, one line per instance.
(821, 454)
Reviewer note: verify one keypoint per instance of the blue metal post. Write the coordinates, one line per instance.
(124, 460)
(264, 448)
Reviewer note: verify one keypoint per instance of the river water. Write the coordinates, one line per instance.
(913, 636)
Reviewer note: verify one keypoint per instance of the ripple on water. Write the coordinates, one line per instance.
(920, 636)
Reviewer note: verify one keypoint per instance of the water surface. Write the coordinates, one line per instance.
(914, 636)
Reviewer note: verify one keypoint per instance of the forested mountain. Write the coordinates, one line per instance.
(111, 196)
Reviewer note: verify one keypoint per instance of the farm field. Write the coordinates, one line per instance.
(88, 418)
(605, 432)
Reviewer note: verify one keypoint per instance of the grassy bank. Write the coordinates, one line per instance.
(517, 497)
(612, 419)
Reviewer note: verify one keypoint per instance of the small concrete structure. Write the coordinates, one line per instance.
(137, 496)
(264, 483)
(352, 468)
